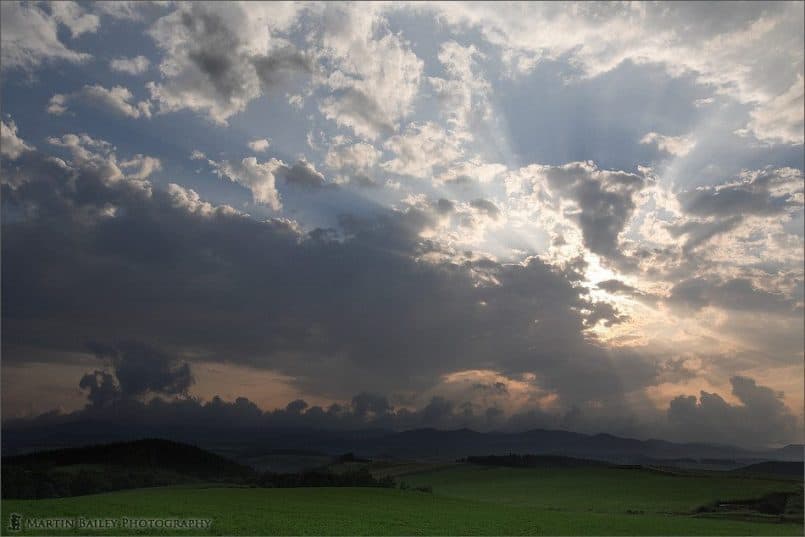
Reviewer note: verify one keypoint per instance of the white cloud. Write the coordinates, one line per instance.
(117, 98)
(678, 146)
(30, 35)
(11, 145)
(420, 149)
(258, 177)
(754, 55)
(218, 57)
(464, 94)
(189, 200)
(781, 119)
(144, 165)
(375, 79)
(132, 66)
(120, 9)
(75, 18)
(357, 157)
(259, 145)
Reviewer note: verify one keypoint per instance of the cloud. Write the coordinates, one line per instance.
(763, 192)
(259, 145)
(731, 52)
(737, 294)
(420, 149)
(217, 59)
(601, 201)
(261, 177)
(141, 369)
(11, 145)
(30, 34)
(132, 66)
(760, 418)
(279, 293)
(118, 99)
(374, 80)
(487, 207)
(678, 146)
(77, 20)
(352, 159)
(258, 177)
(144, 164)
(710, 211)
(302, 174)
(617, 287)
(781, 119)
(464, 94)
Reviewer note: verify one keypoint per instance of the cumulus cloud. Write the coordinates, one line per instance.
(375, 75)
(711, 211)
(259, 145)
(11, 145)
(30, 34)
(781, 119)
(218, 58)
(258, 177)
(354, 161)
(420, 149)
(737, 294)
(760, 192)
(140, 369)
(486, 207)
(760, 418)
(132, 66)
(601, 201)
(261, 177)
(678, 146)
(144, 165)
(117, 99)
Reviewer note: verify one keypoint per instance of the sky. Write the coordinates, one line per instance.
(497, 216)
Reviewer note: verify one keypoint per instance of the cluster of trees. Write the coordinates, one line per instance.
(318, 478)
(38, 483)
(530, 461)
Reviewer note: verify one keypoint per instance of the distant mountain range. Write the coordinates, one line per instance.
(426, 444)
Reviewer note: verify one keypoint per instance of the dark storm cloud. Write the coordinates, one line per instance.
(486, 207)
(142, 369)
(302, 174)
(617, 287)
(338, 311)
(761, 419)
(765, 192)
(761, 414)
(736, 294)
(445, 206)
(137, 370)
(101, 388)
(697, 233)
(714, 210)
(605, 201)
(604, 313)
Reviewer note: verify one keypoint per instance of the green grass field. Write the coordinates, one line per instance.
(466, 500)
(600, 490)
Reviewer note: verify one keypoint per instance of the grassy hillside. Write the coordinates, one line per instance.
(350, 511)
(104, 468)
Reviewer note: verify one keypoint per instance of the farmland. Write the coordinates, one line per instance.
(465, 500)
